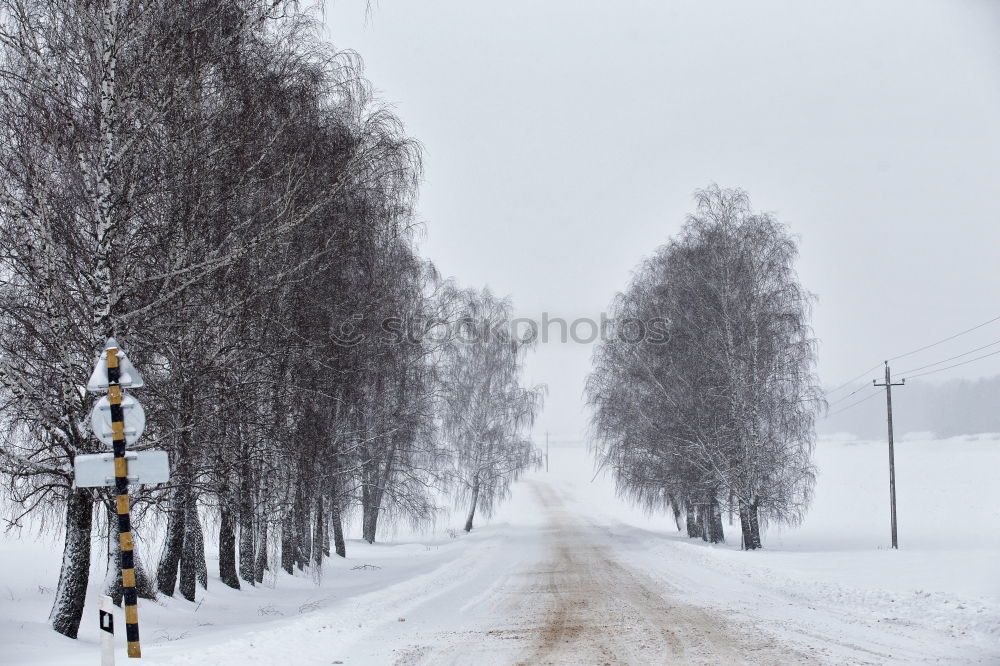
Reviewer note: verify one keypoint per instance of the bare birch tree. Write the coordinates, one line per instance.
(485, 411)
(720, 413)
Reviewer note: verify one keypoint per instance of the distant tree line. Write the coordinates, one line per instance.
(956, 407)
(717, 415)
(211, 184)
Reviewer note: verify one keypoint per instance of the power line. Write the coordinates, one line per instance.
(949, 367)
(950, 337)
(854, 379)
(854, 392)
(952, 358)
(922, 374)
(855, 404)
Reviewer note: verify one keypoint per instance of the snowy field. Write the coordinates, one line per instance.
(829, 590)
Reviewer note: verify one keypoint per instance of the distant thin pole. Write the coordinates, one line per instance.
(892, 456)
(546, 451)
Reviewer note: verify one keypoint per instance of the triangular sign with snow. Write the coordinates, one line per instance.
(128, 377)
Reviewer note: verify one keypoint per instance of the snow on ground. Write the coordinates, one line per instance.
(829, 587)
(833, 579)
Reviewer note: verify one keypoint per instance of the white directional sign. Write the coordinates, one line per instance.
(98, 469)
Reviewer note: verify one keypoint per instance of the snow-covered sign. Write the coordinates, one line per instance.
(135, 419)
(98, 469)
(128, 376)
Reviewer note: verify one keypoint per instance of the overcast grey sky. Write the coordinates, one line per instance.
(563, 139)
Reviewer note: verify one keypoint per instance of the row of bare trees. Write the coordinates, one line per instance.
(211, 184)
(718, 414)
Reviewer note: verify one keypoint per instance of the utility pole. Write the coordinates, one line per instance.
(546, 451)
(892, 456)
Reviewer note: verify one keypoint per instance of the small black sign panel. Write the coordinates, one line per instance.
(107, 622)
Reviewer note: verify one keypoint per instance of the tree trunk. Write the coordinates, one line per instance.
(369, 521)
(750, 526)
(319, 525)
(288, 543)
(193, 567)
(260, 563)
(691, 520)
(369, 508)
(227, 549)
(166, 572)
(326, 523)
(372, 499)
(744, 526)
(472, 507)
(246, 551)
(144, 588)
(677, 512)
(302, 526)
(755, 539)
(202, 564)
(326, 538)
(715, 533)
(263, 525)
(187, 570)
(339, 546)
(71, 593)
(246, 527)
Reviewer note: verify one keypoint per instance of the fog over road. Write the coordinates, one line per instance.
(562, 598)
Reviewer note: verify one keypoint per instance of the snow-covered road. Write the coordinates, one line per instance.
(560, 597)
(547, 592)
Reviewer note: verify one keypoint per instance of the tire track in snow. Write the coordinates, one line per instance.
(571, 602)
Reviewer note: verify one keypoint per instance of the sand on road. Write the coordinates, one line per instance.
(576, 604)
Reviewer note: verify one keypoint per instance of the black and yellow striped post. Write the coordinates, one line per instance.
(129, 598)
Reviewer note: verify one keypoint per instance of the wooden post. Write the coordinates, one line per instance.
(546, 451)
(892, 455)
